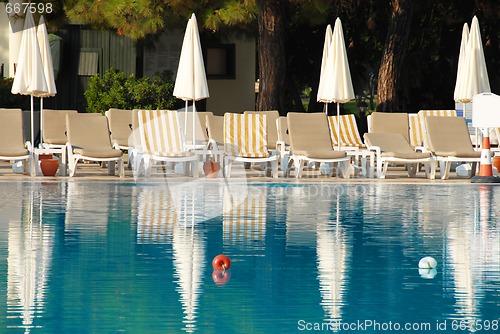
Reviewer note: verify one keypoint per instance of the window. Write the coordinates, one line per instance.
(88, 63)
(220, 61)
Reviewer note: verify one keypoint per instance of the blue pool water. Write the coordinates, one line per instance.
(98, 257)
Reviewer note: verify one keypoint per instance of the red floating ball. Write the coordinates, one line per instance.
(221, 277)
(221, 262)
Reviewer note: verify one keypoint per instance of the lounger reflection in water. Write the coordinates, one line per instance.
(244, 217)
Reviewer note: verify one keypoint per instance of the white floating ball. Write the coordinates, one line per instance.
(427, 262)
(427, 273)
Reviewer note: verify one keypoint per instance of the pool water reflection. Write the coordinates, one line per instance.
(97, 257)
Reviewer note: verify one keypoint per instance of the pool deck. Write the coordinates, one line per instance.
(94, 172)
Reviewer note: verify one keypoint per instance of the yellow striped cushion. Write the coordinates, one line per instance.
(349, 134)
(416, 130)
(161, 134)
(245, 135)
(448, 113)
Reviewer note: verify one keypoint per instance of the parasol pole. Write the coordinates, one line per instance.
(185, 122)
(194, 128)
(338, 126)
(32, 123)
(194, 109)
(41, 122)
(33, 168)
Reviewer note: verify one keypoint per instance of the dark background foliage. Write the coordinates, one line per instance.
(115, 90)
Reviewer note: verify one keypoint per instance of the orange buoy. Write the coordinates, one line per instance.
(221, 262)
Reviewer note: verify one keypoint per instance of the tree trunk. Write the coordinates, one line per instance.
(271, 50)
(391, 66)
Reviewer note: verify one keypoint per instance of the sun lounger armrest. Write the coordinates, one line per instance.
(28, 146)
(212, 144)
(69, 149)
(281, 148)
(280, 145)
(376, 149)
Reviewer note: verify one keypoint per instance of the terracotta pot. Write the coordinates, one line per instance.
(44, 156)
(49, 166)
(496, 163)
(211, 169)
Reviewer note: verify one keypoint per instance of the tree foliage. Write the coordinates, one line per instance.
(425, 76)
(135, 19)
(429, 69)
(9, 100)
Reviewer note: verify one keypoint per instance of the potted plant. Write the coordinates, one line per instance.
(211, 168)
(48, 165)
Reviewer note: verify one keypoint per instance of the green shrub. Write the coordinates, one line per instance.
(9, 100)
(114, 90)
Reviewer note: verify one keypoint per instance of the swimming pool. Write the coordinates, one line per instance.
(112, 257)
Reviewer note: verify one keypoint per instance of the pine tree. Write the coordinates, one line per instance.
(417, 61)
